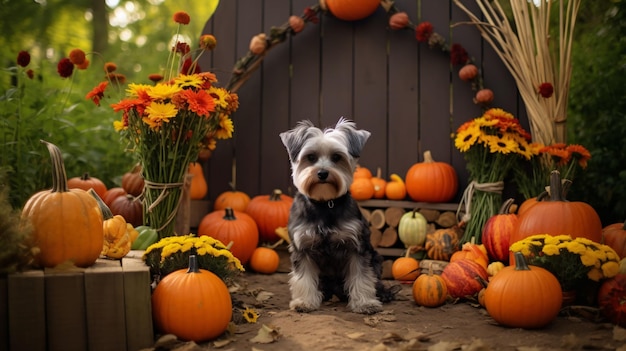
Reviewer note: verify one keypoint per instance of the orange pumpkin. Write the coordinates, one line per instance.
(555, 216)
(496, 233)
(362, 172)
(463, 278)
(270, 212)
(614, 235)
(523, 296)
(362, 189)
(474, 252)
(379, 184)
(133, 181)
(442, 243)
(229, 226)
(66, 223)
(235, 199)
(87, 182)
(405, 269)
(193, 304)
(112, 194)
(431, 181)
(429, 289)
(264, 260)
(396, 189)
(352, 10)
(199, 187)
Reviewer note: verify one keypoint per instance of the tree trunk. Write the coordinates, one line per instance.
(100, 26)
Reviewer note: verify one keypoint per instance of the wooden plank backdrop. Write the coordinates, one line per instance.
(408, 95)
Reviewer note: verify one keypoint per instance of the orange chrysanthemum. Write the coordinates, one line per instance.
(110, 67)
(97, 93)
(182, 17)
(77, 56)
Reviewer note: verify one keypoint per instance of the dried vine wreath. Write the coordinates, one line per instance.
(261, 43)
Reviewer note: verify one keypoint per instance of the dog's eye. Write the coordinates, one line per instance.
(335, 158)
(311, 158)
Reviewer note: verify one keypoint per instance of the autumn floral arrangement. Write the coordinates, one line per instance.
(172, 253)
(532, 175)
(491, 145)
(573, 261)
(167, 123)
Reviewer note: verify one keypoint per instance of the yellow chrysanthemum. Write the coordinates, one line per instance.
(250, 315)
(118, 126)
(575, 247)
(466, 138)
(188, 81)
(551, 250)
(595, 274)
(163, 91)
(220, 95)
(485, 122)
(610, 269)
(186, 246)
(226, 128)
(161, 112)
(588, 259)
(135, 90)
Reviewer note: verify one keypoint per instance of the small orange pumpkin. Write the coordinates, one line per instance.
(429, 289)
(133, 181)
(380, 185)
(264, 260)
(431, 181)
(396, 189)
(464, 278)
(352, 10)
(235, 199)
(87, 182)
(362, 172)
(112, 194)
(406, 268)
(362, 189)
(199, 187)
(193, 304)
(270, 212)
(474, 252)
(229, 226)
(496, 232)
(442, 243)
(614, 235)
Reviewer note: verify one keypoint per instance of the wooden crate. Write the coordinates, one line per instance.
(391, 211)
(103, 307)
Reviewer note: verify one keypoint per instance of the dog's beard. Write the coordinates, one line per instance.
(334, 186)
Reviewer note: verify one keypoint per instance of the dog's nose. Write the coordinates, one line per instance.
(322, 174)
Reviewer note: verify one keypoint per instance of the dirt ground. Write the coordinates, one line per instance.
(403, 325)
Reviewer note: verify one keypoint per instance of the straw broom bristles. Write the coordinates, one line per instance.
(528, 57)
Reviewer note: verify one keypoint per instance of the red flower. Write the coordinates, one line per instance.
(458, 55)
(310, 15)
(23, 58)
(182, 48)
(182, 17)
(65, 67)
(546, 90)
(189, 67)
(117, 78)
(155, 77)
(423, 32)
(77, 56)
(110, 67)
(30, 74)
(97, 93)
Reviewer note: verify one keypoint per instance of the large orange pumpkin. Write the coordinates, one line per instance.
(431, 181)
(496, 233)
(523, 296)
(270, 212)
(555, 216)
(193, 304)
(229, 226)
(66, 223)
(352, 10)
(614, 235)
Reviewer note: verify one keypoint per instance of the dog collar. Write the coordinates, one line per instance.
(330, 203)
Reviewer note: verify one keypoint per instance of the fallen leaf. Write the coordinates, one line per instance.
(391, 337)
(263, 296)
(221, 343)
(443, 346)
(476, 345)
(266, 335)
(355, 336)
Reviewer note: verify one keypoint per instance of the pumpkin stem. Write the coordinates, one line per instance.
(428, 157)
(85, 176)
(506, 206)
(193, 263)
(276, 195)
(520, 262)
(59, 177)
(106, 211)
(229, 214)
(556, 189)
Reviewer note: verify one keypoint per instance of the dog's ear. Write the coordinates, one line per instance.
(356, 137)
(295, 138)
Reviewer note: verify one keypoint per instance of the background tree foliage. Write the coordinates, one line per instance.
(49, 29)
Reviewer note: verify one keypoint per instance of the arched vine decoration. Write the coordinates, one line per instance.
(262, 43)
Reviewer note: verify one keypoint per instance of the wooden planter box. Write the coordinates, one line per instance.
(104, 307)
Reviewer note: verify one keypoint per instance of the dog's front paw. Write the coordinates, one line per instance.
(301, 306)
(367, 307)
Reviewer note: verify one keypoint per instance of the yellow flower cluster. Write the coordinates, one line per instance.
(172, 253)
(571, 260)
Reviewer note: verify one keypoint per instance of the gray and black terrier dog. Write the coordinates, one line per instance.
(330, 249)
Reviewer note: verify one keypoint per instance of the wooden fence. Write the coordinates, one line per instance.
(408, 95)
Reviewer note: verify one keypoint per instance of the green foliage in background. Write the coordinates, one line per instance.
(136, 36)
(597, 107)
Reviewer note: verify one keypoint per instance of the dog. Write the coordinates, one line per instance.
(330, 248)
